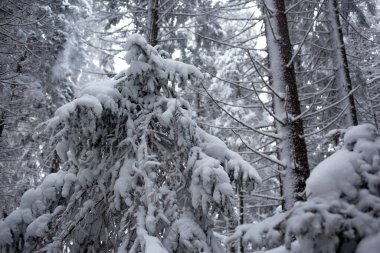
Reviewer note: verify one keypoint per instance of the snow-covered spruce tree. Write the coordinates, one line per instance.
(137, 173)
(342, 211)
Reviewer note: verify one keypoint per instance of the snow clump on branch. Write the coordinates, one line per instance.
(342, 210)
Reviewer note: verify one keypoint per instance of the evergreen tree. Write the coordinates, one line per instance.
(39, 50)
(137, 173)
(342, 195)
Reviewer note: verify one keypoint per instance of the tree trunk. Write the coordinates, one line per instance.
(241, 215)
(292, 147)
(153, 16)
(2, 123)
(342, 73)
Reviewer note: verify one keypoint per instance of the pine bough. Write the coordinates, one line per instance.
(137, 173)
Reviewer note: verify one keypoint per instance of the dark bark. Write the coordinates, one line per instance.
(297, 143)
(2, 123)
(55, 163)
(153, 26)
(241, 214)
(292, 140)
(342, 48)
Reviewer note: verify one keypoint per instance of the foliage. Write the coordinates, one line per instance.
(137, 173)
(343, 195)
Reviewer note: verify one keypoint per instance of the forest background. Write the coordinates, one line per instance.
(282, 81)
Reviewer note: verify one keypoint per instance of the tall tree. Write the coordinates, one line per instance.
(342, 72)
(360, 23)
(138, 175)
(292, 148)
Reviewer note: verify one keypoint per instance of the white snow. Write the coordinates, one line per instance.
(86, 207)
(69, 179)
(38, 227)
(338, 174)
(334, 176)
(64, 112)
(85, 177)
(132, 154)
(177, 70)
(123, 184)
(343, 200)
(258, 233)
(295, 248)
(370, 244)
(363, 132)
(167, 115)
(214, 147)
(153, 245)
(5, 234)
(62, 148)
(188, 234)
(209, 181)
(104, 91)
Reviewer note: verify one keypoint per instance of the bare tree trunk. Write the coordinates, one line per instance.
(342, 72)
(292, 147)
(371, 106)
(153, 16)
(2, 123)
(241, 215)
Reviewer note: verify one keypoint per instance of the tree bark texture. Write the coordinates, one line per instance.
(292, 147)
(342, 72)
(2, 123)
(241, 214)
(153, 17)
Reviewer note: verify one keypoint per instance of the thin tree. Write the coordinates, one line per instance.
(342, 72)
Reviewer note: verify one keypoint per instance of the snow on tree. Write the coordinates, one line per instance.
(138, 174)
(40, 49)
(343, 206)
(342, 73)
(292, 150)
